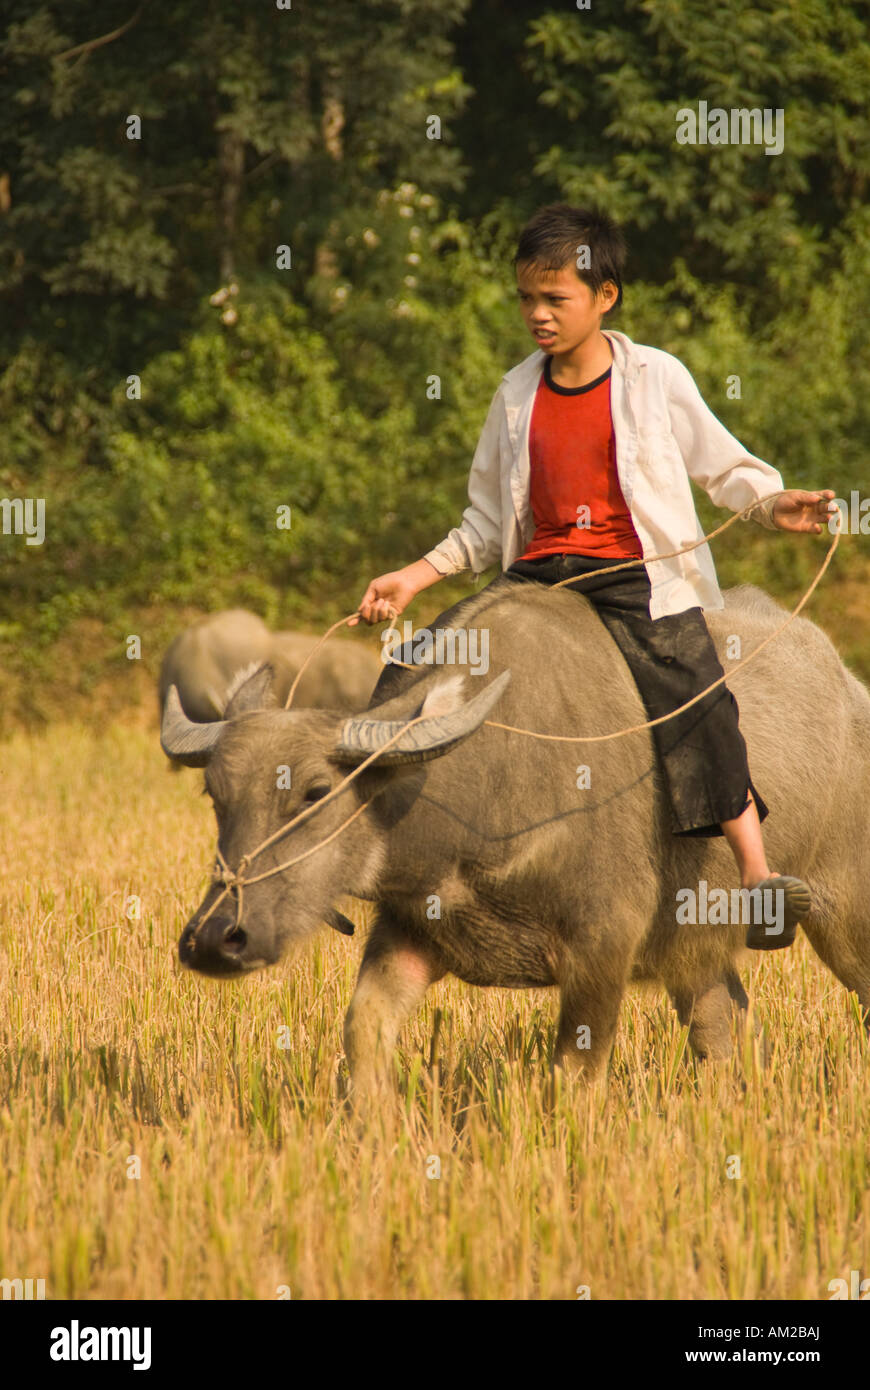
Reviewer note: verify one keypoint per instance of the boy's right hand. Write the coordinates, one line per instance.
(385, 598)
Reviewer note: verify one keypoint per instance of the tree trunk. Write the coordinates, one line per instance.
(331, 126)
(231, 163)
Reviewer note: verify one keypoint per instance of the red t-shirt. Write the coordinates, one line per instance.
(575, 495)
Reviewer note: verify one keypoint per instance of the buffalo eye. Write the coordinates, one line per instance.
(316, 791)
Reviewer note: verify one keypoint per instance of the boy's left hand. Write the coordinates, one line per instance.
(803, 511)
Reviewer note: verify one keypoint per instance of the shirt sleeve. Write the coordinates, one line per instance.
(476, 542)
(714, 459)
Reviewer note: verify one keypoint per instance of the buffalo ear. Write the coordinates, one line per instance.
(250, 689)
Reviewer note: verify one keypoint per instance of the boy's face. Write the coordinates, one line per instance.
(559, 310)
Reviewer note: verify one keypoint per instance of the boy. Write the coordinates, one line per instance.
(584, 462)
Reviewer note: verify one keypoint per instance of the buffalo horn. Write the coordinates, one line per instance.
(430, 738)
(183, 739)
(337, 919)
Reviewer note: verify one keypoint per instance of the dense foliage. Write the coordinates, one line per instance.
(347, 377)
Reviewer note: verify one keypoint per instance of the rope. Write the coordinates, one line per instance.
(627, 564)
(314, 650)
(236, 882)
(663, 718)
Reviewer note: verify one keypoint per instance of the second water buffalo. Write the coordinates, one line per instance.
(203, 660)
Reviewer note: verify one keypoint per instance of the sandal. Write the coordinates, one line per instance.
(796, 902)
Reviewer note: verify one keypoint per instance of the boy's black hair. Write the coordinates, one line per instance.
(552, 238)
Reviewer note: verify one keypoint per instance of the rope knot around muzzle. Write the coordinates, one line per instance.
(232, 881)
(227, 877)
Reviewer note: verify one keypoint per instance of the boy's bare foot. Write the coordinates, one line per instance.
(792, 908)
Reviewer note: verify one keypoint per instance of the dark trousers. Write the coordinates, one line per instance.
(672, 659)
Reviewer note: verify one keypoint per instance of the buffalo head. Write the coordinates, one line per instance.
(265, 765)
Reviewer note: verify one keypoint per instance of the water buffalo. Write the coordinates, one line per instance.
(341, 676)
(202, 661)
(489, 858)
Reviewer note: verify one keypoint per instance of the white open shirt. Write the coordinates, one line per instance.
(665, 434)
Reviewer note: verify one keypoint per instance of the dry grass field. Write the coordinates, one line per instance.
(253, 1176)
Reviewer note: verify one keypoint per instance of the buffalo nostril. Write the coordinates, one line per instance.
(235, 940)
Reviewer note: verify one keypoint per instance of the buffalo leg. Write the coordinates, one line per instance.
(740, 1008)
(707, 1013)
(587, 1019)
(395, 974)
(841, 945)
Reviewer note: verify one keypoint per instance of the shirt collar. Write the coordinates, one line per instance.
(522, 380)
